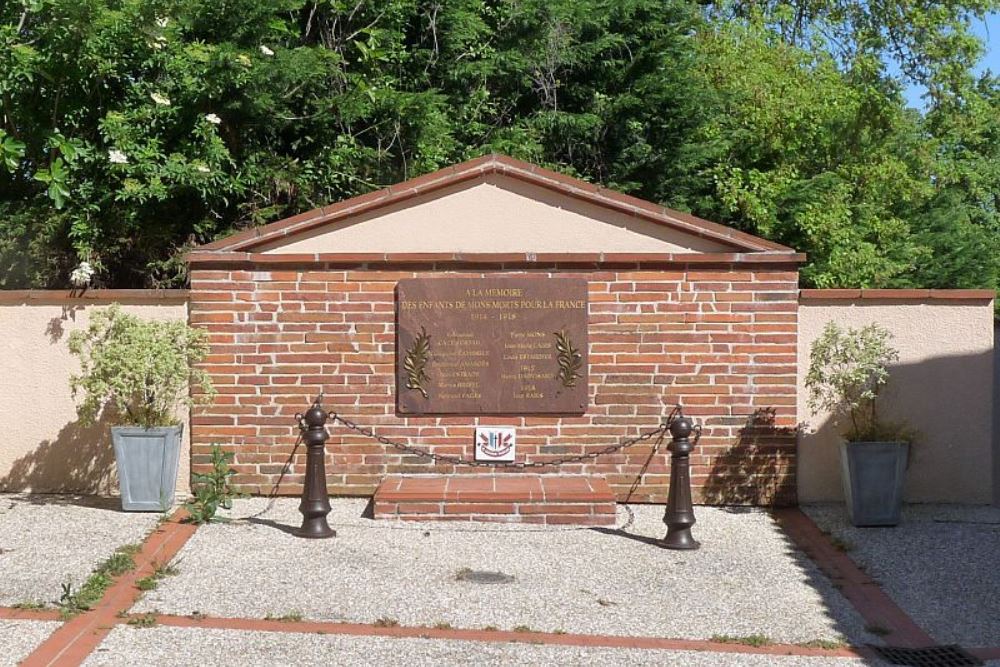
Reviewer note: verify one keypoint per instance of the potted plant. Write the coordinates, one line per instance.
(136, 373)
(847, 371)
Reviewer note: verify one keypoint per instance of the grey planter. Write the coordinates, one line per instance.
(147, 466)
(872, 473)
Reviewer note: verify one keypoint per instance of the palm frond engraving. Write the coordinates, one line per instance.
(569, 358)
(415, 362)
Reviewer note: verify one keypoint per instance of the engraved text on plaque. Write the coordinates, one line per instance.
(504, 345)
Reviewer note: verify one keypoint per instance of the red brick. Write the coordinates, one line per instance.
(708, 338)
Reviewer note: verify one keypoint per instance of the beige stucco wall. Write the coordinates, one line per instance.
(499, 214)
(942, 386)
(43, 447)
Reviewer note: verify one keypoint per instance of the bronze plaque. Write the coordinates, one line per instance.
(500, 345)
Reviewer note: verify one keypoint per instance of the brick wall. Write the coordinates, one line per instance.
(720, 340)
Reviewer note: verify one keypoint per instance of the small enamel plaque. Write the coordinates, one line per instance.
(495, 443)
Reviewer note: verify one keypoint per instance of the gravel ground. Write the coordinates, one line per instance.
(46, 541)
(209, 647)
(939, 565)
(19, 638)
(746, 579)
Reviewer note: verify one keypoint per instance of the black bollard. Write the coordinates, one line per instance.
(315, 503)
(679, 516)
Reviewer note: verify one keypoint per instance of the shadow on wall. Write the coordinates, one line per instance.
(55, 330)
(949, 402)
(758, 469)
(79, 460)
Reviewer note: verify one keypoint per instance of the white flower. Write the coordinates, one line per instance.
(266, 51)
(81, 275)
(203, 169)
(162, 22)
(160, 99)
(243, 60)
(116, 156)
(212, 118)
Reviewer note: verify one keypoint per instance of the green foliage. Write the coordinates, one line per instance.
(847, 370)
(214, 489)
(748, 640)
(131, 130)
(147, 583)
(146, 620)
(294, 616)
(28, 605)
(826, 644)
(141, 369)
(90, 593)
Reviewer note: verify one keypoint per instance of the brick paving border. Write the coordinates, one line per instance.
(74, 641)
(78, 637)
(864, 594)
(510, 636)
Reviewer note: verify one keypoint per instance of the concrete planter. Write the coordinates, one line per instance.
(147, 466)
(872, 473)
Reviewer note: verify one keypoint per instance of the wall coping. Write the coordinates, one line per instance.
(95, 295)
(897, 294)
(183, 295)
(479, 168)
(229, 258)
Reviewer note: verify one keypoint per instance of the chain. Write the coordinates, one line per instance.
(659, 431)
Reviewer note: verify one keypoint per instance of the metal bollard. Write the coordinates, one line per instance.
(315, 503)
(679, 516)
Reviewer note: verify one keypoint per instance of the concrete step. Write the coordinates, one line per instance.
(514, 498)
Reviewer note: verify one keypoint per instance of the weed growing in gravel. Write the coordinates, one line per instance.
(143, 621)
(748, 640)
(93, 589)
(558, 631)
(197, 615)
(522, 628)
(491, 628)
(877, 630)
(386, 622)
(28, 605)
(828, 644)
(159, 572)
(146, 583)
(840, 544)
(214, 489)
(442, 625)
(293, 616)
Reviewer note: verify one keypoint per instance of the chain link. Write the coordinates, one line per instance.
(660, 431)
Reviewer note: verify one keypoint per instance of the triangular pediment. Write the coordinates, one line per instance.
(494, 205)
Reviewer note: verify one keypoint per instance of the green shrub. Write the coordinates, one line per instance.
(847, 370)
(141, 369)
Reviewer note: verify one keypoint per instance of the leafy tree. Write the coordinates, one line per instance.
(133, 129)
